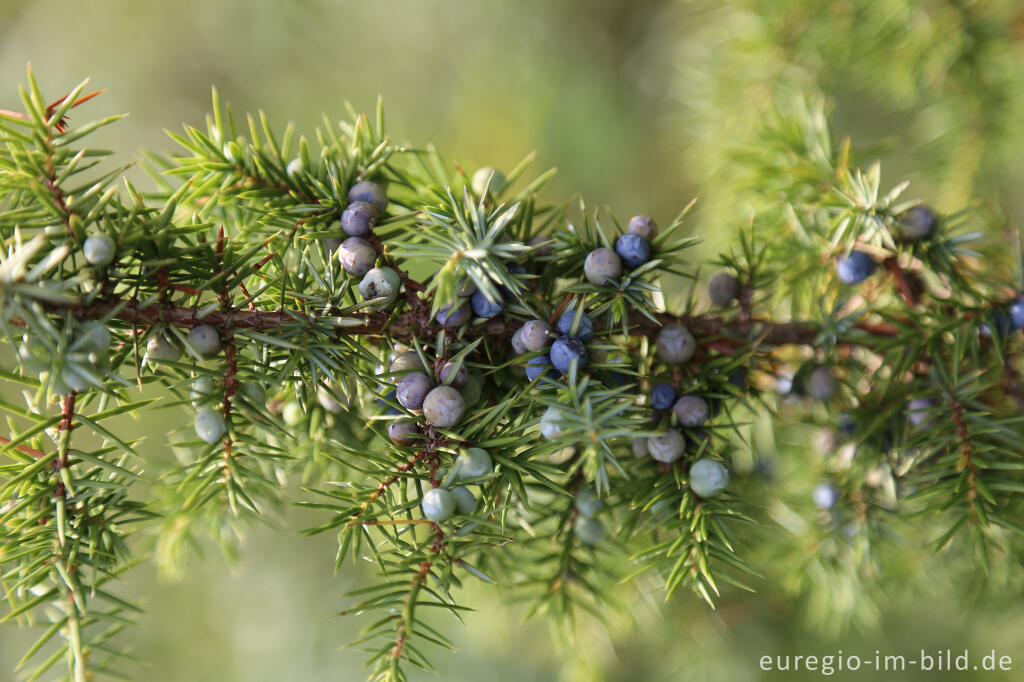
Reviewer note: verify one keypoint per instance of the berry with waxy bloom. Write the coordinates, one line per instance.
(443, 407)
(825, 496)
(855, 268)
(458, 378)
(484, 175)
(99, 249)
(403, 432)
(380, 283)
(691, 410)
(204, 339)
(465, 502)
(358, 219)
(676, 344)
(438, 504)
(536, 335)
(820, 384)
(209, 425)
(708, 477)
(539, 365)
(357, 256)
(585, 329)
(589, 531)
(662, 396)
(588, 503)
(667, 447)
(918, 223)
(371, 193)
(567, 350)
(453, 315)
(473, 463)
(159, 348)
(633, 250)
(602, 266)
(644, 226)
(483, 307)
(412, 390)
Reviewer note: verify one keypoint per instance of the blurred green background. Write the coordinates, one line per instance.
(640, 105)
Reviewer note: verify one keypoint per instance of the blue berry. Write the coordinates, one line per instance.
(358, 219)
(918, 223)
(538, 366)
(918, 410)
(412, 390)
(854, 268)
(602, 266)
(708, 477)
(662, 396)
(820, 384)
(371, 193)
(453, 315)
(565, 350)
(847, 424)
(1017, 313)
(483, 307)
(633, 250)
(586, 327)
(1003, 323)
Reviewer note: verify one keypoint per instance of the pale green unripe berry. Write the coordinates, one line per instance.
(473, 463)
(708, 477)
(256, 394)
(293, 414)
(294, 168)
(202, 389)
(443, 407)
(161, 349)
(472, 389)
(588, 503)
(209, 425)
(551, 423)
(380, 283)
(691, 410)
(93, 336)
(482, 175)
(676, 344)
(639, 447)
(820, 384)
(204, 340)
(589, 531)
(601, 266)
(99, 249)
(668, 447)
(465, 502)
(438, 505)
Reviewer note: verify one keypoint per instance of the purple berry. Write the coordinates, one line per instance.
(854, 268)
(602, 266)
(357, 256)
(412, 390)
(458, 378)
(567, 349)
(358, 219)
(633, 250)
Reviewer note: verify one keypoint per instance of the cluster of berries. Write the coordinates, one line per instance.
(473, 465)
(564, 348)
(367, 202)
(632, 249)
(708, 477)
(915, 225)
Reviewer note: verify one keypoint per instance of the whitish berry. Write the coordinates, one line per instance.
(723, 288)
(328, 401)
(668, 447)
(99, 249)
(639, 448)
(412, 390)
(820, 384)
(438, 505)
(358, 219)
(209, 425)
(93, 336)
(708, 477)
(644, 226)
(481, 178)
(536, 335)
(539, 365)
(662, 396)
(443, 407)
(825, 496)
(584, 331)
(854, 268)
(691, 410)
(589, 531)
(202, 389)
(371, 193)
(380, 283)
(406, 360)
(204, 340)
(293, 414)
(464, 500)
(403, 432)
(473, 463)
(518, 345)
(454, 315)
(918, 223)
(602, 266)
(484, 307)
(472, 389)
(551, 423)
(161, 349)
(357, 256)
(633, 250)
(1017, 313)
(294, 168)
(588, 503)
(457, 378)
(676, 344)
(566, 350)
(73, 379)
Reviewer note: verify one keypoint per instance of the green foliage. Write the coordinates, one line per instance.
(236, 233)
